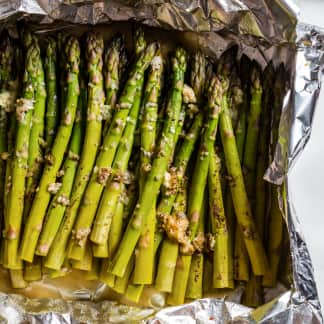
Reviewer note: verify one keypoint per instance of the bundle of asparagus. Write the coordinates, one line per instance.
(139, 171)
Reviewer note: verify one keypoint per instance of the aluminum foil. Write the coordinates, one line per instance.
(264, 30)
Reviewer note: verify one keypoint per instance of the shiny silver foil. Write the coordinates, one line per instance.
(264, 30)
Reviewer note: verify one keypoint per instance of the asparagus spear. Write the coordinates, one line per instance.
(100, 250)
(240, 200)
(275, 226)
(52, 115)
(15, 206)
(36, 139)
(178, 223)
(261, 187)
(208, 273)
(169, 249)
(33, 271)
(169, 195)
(215, 93)
(14, 90)
(191, 96)
(57, 253)
(252, 135)
(237, 110)
(54, 159)
(241, 258)
(159, 166)
(92, 138)
(61, 200)
(181, 276)
(62, 73)
(132, 93)
(93, 274)
(112, 192)
(114, 238)
(17, 279)
(144, 263)
(222, 259)
(252, 294)
(86, 263)
(121, 283)
(111, 69)
(7, 97)
(140, 44)
(195, 280)
(168, 198)
(123, 154)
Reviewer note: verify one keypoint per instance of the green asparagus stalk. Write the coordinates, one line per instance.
(241, 258)
(15, 86)
(114, 238)
(208, 273)
(93, 274)
(262, 187)
(132, 193)
(123, 155)
(111, 197)
(195, 280)
(252, 296)
(91, 144)
(159, 167)
(181, 276)
(107, 206)
(111, 69)
(52, 114)
(170, 247)
(223, 257)
(215, 93)
(275, 226)
(144, 263)
(17, 279)
(62, 72)
(181, 159)
(61, 200)
(140, 44)
(57, 253)
(66, 268)
(196, 196)
(100, 251)
(24, 111)
(7, 98)
(252, 134)
(242, 208)
(116, 226)
(54, 159)
(105, 158)
(86, 263)
(33, 271)
(121, 283)
(180, 165)
(237, 109)
(134, 292)
(169, 195)
(36, 139)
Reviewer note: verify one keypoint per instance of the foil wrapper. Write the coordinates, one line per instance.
(264, 30)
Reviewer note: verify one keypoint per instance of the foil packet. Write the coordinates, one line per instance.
(265, 30)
